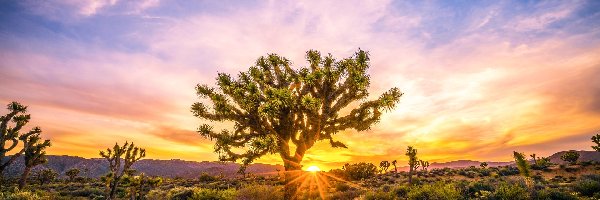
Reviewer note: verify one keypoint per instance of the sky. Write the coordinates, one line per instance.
(480, 78)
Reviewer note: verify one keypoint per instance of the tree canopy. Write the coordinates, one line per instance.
(273, 105)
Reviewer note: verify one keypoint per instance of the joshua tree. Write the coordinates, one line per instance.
(522, 163)
(395, 169)
(35, 154)
(384, 165)
(113, 156)
(45, 176)
(413, 163)
(72, 173)
(10, 135)
(534, 160)
(424, 165)
(570, 156)
(483, 165)
(596, 139)
(274, 107)
(138, 186)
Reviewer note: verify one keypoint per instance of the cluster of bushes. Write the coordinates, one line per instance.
(356, 172)
(249, 192)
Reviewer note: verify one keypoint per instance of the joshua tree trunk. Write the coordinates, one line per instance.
(24, 176)
(113, 188)
(410, 171)
(292, 171)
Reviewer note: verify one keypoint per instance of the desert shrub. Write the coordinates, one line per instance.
(20, 195)
(476, 187)
(212, 194)
(156, 194)
(204, 177)
(259, 192)
(180, 193)
(508, 171)
(587, 187)
(87, 192)
(401, 191)
(342, 187)
(506, 191)
(554, 194)
(434, 191)
(378, 195)
(350, 194)
(360, 171)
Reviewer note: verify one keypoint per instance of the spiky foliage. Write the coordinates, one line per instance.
(383, 166)
(596, 140)
(128, 154)
(570, 156)
(424, 164)
(138, 186)
(483, 165)
(275, 107)
(73, 173)
(35, 154)
(394, 163)
(542, 163)
(10, 135)
(522, 164)
(534, 158)
(413, 162)
(45, 176)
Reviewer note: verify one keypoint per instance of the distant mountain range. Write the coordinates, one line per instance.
(96, 167)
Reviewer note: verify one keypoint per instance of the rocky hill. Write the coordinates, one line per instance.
(96, 167)
(583, 156)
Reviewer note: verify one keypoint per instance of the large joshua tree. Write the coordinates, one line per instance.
(10, 135)
(275, 107)
(35, 154)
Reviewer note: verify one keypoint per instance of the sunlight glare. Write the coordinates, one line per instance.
(313, 169)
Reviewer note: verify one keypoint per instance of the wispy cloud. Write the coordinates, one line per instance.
(480, 79)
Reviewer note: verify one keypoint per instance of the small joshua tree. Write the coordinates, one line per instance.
(35, 154)
(424, 165)
(383, 166)
(483, 165)
(72, 173)
(45, 176)
(395, 168)
(139, 186)
(596, 139)
(413, 163)
(10, 135)
(522, 163)
(570, 156)
(534, 158)
(113, 156)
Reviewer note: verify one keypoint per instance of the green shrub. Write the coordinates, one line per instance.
(342, 187)
(360, 171)
(350, 194)
(476, 187)
(87, 192)
(401, 191)
(212, 194)
(510, 192)
(434, 191)
(554, 194)
(378, 195)
(180, 193)
(20, 195)
(259, 192)
(587, 187)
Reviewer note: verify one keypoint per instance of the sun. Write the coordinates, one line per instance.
(313, 169)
